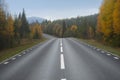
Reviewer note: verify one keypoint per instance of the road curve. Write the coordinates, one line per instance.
(61, 59)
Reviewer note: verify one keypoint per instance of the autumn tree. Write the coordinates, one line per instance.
(36, 31)
(116, 18)
(73, 30)
(63, 28)
(116, 24)
(15, 30)
(90, 32)
(10, 31)
(58, 30)
(105, 19)
(105, 25)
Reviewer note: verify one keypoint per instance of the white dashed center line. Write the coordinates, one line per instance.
(61, 46)
(63, 79)
(62, 61)
(61, 49)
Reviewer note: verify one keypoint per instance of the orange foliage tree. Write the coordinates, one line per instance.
(116, 18)
(105, 18)
(36, 31)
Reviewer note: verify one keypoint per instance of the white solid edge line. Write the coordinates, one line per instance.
(62, 61)
(64, 79)
(109, 53)
(17, 54)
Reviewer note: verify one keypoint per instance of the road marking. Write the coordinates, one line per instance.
(116, 57)
(61, 44)
(62, 61)
(98, 49)
(64, 79)
(13, 58)
(6, 62)
(61, 49)
(19, 55)
(102, 52)
(24, 52)
(108, 54)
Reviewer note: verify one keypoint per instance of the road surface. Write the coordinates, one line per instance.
(61, 59)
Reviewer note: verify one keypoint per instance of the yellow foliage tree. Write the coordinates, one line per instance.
(116, 18)
(105, 18)
(36, 31)
(10, 31)
(58, 30)
(2, 20)
(73, 28)
(90, 32)
(10, 26)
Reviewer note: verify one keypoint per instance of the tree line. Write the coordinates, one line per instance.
(81, 27)
(14, 30)
(103, 27)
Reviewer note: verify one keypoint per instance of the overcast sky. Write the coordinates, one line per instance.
(54, 9)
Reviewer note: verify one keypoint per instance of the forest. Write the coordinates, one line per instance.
(13, 31)
(103, 27)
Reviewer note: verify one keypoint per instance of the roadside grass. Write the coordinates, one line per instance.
(102, 46)
(7, 53)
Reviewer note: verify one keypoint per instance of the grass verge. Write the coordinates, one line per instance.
(7, 53)
(102, 46)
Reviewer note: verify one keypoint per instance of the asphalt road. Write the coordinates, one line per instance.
(61, 59)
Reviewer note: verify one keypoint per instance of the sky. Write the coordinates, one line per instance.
(54, 9)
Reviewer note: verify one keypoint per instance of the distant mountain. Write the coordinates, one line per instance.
(34, 19)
